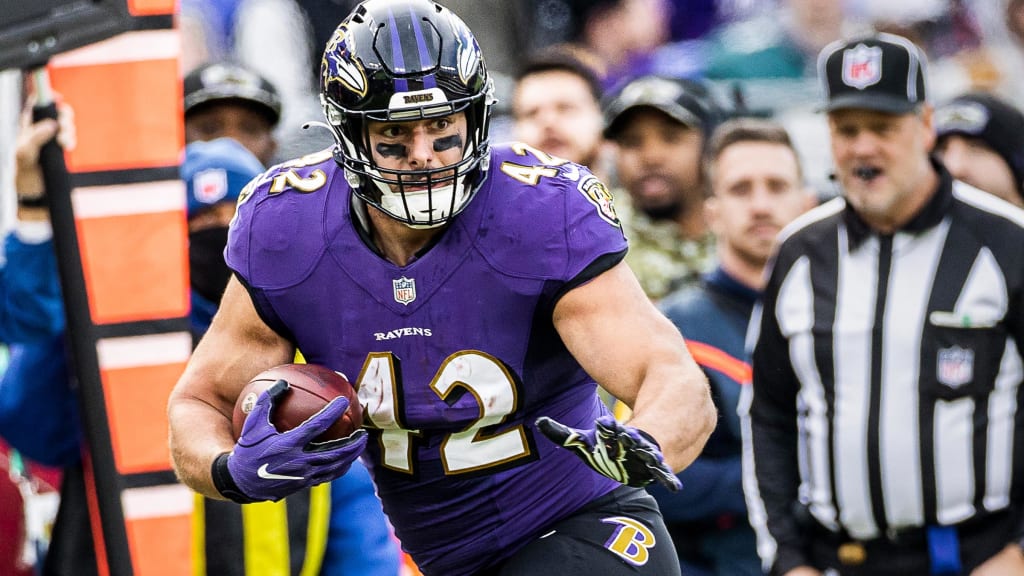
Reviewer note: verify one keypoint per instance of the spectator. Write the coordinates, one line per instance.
(756, 188)
(237, 31)
(36, 421)
(466, 288)
(883, 421)
(981, 142)
(224, 99)
(215, 172)
(659, 126)
(557, 107)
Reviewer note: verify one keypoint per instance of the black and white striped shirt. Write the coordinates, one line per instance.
(887, 372)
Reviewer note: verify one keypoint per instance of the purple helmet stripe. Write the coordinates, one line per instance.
(421, 46)
(396, 51)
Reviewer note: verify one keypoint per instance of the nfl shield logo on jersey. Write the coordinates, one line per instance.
(956, 366)
(405, 290)
(862, 66)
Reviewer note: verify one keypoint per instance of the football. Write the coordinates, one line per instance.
(311, 387)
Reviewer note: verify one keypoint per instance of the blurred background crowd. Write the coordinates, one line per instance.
(565, 73)
(757, 55)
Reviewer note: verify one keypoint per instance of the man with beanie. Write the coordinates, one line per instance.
(881, 431)
(981, 142)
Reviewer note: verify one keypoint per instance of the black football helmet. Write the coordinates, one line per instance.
(402, 60)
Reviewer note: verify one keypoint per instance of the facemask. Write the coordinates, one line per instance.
(209, 274)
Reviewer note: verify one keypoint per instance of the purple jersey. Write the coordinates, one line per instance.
(455, 355)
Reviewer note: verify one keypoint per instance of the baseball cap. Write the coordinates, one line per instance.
(221, 81)
(882, 72)
(992, 120)
(685, 101)
(216, 171)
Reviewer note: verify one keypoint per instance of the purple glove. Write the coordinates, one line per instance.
(269, 465)
(623, 453)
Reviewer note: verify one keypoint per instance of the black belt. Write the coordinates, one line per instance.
(912, 542)
(918, 535)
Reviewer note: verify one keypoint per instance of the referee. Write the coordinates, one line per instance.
(881, 433)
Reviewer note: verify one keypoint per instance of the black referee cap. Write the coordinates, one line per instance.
(222, 81)
(882, 72)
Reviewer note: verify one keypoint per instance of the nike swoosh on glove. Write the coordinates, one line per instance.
(623, 453)
(269, 465)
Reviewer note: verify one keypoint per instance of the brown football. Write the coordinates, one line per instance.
(311, 387)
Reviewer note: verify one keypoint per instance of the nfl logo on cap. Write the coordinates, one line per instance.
(882, 72)
(211, 186)
(862, 66)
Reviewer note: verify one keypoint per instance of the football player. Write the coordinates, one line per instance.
(477, 295)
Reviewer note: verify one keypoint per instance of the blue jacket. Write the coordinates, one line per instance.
(38, 411)
(713, 317)
(31, 306)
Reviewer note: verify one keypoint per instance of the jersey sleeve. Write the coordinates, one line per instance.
(593, 232)
(277, 232)
(555, 221)
(236, 253)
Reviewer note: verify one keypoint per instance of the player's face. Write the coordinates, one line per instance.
(658, 162)
(882, 162)
(974, 162)
(556, 112)
(756, 190)
(418, 144)
(229, 119)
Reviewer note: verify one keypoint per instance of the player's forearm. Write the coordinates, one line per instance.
(674, 405)
(198, 434)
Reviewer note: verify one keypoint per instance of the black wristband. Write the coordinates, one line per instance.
(39, 202)
(224, 483)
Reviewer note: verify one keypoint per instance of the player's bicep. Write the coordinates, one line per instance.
(237, 346)
(610, 326)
